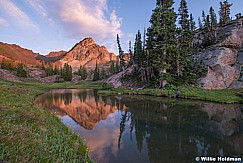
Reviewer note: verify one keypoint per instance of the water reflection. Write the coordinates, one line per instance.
(138, 129)
(78, 104)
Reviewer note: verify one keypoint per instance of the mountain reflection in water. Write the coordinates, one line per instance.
(148, 129)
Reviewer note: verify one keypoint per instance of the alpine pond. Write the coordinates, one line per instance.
(148, 129)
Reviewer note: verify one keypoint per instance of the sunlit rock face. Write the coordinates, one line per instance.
(222, 58)
(87, 53)
(222, 70)
(82, 106)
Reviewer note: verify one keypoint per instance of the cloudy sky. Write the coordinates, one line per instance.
(53, 25)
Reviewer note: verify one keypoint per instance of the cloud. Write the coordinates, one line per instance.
(73, 19)
(17, 14)
(81, 18)
(3, 22)
(88, 18)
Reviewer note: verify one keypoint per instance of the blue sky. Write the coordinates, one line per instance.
(53, 25)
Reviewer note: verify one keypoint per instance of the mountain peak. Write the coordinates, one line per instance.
(87, 53)
(87, 41)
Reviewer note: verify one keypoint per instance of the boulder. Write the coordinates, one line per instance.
(222, 70)
(5, 74)
(76, 78)
(116, 78)
(36, 72)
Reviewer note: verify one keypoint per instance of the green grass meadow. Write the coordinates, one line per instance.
(32, 134)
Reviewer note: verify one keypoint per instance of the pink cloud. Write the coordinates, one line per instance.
(87, 18)
(81, 18)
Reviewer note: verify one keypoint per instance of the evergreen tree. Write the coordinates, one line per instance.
(224, 12)
(162, 36)
(203, 19)
(21, 72)
(207, 23)
(96, 73)
(131, 62)
(192, 23)
(238, 15)
(83, 72)
(200, 25)
(112, 68)
(56, 71)
(213, 18)
(184, 38)
(49, 69)
(138, 50)
(150, 65)
(67, 72)
(102, 73)
(121, 54)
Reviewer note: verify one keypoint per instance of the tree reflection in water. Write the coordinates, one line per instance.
(165, 130)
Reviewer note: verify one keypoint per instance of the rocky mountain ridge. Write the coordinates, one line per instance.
(85, 53)
(15, 52)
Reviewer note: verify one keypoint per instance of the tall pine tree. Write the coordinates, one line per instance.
(131, 61)
(224, 12)
(138, 50)
(162, 37)
(96, 73)
(184, 38)
(67, 72)
(213, 18)
(200, 25)
(192, 23)
(203, 19)
(83, 72)
(121, 53)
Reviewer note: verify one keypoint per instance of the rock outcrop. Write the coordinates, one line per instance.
(222, 71)
(115, 79)
(223, 59)
(5, 74)
(36, 73)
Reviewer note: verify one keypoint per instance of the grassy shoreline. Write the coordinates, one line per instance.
(31, 134)
(218, 96)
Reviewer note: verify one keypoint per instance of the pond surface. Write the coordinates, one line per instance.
(148, 129)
